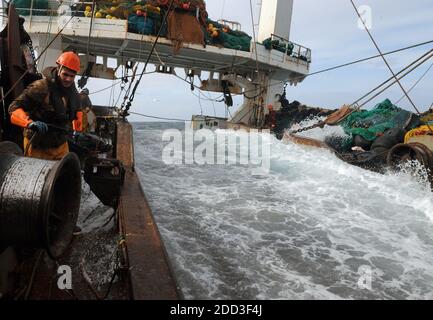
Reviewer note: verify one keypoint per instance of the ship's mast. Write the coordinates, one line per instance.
(275, 22)
(275, 18)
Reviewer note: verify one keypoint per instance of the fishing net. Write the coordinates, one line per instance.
(188, 22)
(221, 35)
(141, 25)
(40, 7)
(182, 27)
(371, 123)
(278, 45)
(233, 41)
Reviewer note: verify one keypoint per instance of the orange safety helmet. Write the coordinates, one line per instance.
(69, 60)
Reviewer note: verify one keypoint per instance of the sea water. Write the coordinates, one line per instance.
(313, 227)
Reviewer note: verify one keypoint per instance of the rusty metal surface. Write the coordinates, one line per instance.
(410, 151)
(150, 272)
(151, 276)
(304, 141)
(125, 144)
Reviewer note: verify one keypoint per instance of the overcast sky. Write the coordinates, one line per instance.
(330, 29)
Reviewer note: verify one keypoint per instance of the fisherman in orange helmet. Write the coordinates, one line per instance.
(48, 108)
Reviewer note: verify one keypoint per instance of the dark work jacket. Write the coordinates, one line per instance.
(271, 119)
(48, 101)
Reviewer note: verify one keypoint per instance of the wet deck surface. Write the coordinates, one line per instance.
(118, 255)
(93, 257)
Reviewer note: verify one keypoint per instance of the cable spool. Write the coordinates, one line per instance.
(410, 151)
(39, 200)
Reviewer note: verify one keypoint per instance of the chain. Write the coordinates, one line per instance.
(32, 51)
(28, 41)
(320, 124)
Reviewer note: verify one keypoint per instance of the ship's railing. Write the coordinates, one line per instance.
(233, 25)
(284, 51)
(291, 49)
(53, 8)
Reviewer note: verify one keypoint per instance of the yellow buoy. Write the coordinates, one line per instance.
(88, 8)
(98, 15)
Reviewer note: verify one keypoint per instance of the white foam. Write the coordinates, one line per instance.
(300, 232)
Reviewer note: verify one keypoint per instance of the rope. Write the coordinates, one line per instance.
(89, 283)
(134, 72)
(351, 63)
(118, 97)
(199, 89)
(160, 118)
(425, 56)
(115, 84)
(90, 28)
(109, 87)
(254, 37)
(209, 99)
(228, 110)
(29, 143)
(131, 97)
(159, 58)
(199, 101)
(392, 83)
(370, 58)
(48, 36)
(36, 60)
(246, 113)
(394, 76)
(223, 7)
(254, 97)
(110, 100)
(386, 62)
(257, 61)
(416, 83)
(32, 278)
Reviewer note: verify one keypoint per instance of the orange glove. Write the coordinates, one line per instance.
(20, 118)
(77, 124)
